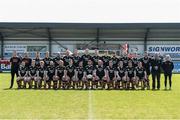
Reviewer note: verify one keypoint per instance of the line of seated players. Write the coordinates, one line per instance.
(85, 72)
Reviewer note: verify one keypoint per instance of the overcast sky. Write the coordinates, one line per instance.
(90, 11)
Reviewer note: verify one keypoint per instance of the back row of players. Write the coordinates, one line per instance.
(87, 72)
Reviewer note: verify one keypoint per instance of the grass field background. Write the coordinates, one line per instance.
(84, 104)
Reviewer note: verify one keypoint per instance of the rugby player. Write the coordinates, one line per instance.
(22, 75)
(70, 73)
(32, 73)
(121, 76)
(130, 75)
(111, 75)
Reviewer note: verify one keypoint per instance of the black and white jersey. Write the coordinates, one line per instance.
(47, 61)
(51, 71)
(32, 70)
(100, 71)
(130, 71)
(125, 61)
(80, 72)
(95, 59)
(76, 60)
(89, 69)
(135, 62)
(66, 60)
(111, 71)
(85, 59)
(115, 61)
(60, 70)
(27, 62)
(37, 62)
(140, 72)
(146, 62)
(56, 60)
(70, 70)
(23, 70)
(41, 71)
(121, 71)
(106, 60)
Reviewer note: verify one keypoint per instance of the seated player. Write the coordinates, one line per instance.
(121, 76)
(70, 73)
(99, 75)
(40, 73)
(32, 73)
(59, 73)
(130, 75)
(49, 75)
(141, 76)
(89, 75)
(111, 75)
(65, 80)
(79, 73)
(22, 75)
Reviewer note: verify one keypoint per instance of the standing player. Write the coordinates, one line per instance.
(96, 57)
(27, 60)
(156, 71)
(57, 59)
(59, 72)
(37, 60)
(67, 58)
(121, 76)
(47, 60)
(22, 72)
(76, 58)
(15, 62)
(111, 74)
(115, 60)
(146, 62)
(167, 66)
(125, 60)
(86, 57)
(99, 75)
(106, 58)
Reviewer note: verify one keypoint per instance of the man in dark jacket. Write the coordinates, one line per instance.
(167, 66)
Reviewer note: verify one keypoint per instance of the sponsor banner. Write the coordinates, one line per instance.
(176, 67)
(8, 50)
(163, 48)
(139, 49)
(5, 65)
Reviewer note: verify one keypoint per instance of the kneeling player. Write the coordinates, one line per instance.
(65, 80)
(99, 75)
(89, 75)
(130, 76)
(32, 73)
(40, 73)
(141, 76)
(59, 73)
(121, 76)
(79, 75)
(49, 75)
(111, 75)
(71, 74)
(22, 75)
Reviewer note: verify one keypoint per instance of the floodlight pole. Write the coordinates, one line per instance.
(97, 37)
(145, 39)
(50, 41)
(2, 44)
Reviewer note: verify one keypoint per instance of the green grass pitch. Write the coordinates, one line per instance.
(82, 104)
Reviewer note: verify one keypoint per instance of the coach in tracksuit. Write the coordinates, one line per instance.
(156, 63)
(167, 66)
(15, 62)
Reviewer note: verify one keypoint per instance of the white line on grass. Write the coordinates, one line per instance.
(90, 109)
